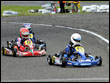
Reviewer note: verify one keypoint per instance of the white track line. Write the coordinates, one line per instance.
(90, 32)
(56, 80)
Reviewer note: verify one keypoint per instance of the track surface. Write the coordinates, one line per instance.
(37, 68)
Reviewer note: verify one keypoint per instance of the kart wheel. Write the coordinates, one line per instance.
(7, 44)
(43, 48)
(100, 61)
(63, 61)
(44, 44)
(14, 52)
(10, 44)
(49, 60)
(3, 50)
(56, 55)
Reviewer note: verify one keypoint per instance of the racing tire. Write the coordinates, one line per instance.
(100, 61)
(7, 44)
(44, 44)
(63, 62)
(43, 48)
(14, 52)
(49, 60)
(3, 50)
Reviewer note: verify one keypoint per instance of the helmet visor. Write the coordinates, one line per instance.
(25, 35)
(76, 40)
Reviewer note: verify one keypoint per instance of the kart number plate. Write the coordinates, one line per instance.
(28, 42)
(79, 48)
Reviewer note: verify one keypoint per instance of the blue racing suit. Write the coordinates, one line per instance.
(69, 51)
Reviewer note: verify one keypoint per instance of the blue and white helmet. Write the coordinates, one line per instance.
(75, 38)
(28, 26)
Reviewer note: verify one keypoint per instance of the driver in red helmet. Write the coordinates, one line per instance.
(24, 35)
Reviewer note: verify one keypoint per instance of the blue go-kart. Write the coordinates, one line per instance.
(83, 59)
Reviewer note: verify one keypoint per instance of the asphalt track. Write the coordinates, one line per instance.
(34, 69)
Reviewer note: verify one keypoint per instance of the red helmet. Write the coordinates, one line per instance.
(24, 33)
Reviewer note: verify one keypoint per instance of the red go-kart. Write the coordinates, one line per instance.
(28, 49)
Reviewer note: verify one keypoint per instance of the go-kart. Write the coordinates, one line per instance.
(30, 49)
(83, 59)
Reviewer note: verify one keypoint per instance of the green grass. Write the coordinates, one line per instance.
(22, 10)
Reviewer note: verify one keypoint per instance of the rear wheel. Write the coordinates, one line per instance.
(63, 62)
(14, 52)
(3, 50)
(7, 44)
(10, 44)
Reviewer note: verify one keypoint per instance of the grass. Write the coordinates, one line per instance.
(22, 10)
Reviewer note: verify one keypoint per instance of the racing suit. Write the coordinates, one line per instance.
(69, 50)
(19, 42)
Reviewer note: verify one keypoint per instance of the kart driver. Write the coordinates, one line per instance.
(24, 35)
(32, 35)
(37, 42)
(69, 50)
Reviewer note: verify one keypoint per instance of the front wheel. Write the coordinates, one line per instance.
(100, 60)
